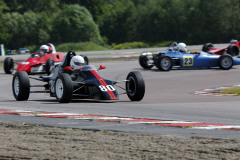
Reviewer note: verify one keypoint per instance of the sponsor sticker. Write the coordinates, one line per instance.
(25, 63)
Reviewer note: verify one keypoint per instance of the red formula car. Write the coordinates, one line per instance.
(37, 62)
(232, 49)
(42, 62)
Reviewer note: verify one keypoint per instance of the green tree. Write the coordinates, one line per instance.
(22, 6)
(12, 21)
(75, 24)
(22, 29)
(213, 20)
(29, 28)
(32, 22)
(4, 36)
(150, 24)
(117, 20)
(3, 6)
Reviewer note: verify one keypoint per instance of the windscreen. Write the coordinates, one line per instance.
(87, 68)
(34, 55)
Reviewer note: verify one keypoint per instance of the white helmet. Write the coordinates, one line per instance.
(44, 49)
(182, 47)
(77, 61)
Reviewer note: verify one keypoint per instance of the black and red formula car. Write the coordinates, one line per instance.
(84, 82)
(232, 49)
(37, 62)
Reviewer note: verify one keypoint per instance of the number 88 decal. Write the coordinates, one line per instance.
(187, 60)
(107, 88)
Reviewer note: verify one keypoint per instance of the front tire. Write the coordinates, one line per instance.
(8, 65)
(49, 65)
(225, 62)
(63, 88)
(164, 63)
(135, 86)
(21, 86)
(143, 61)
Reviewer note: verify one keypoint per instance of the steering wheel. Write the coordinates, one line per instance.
(71, 53)
(173, 47)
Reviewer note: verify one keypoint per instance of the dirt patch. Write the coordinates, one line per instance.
(20, 141)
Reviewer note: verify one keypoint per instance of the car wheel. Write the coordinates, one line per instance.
(8, 65)
(21, 86)
(225, 62)
(233, 50)
(164, 63)
(85, 59)
(63, 88)
(135, 86)
(207, 46)
(143, 61)
(49, 65)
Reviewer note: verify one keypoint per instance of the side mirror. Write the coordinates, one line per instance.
(101, 67)
(68, 68)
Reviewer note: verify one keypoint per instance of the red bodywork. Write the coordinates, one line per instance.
(37, 61)
(221, 51)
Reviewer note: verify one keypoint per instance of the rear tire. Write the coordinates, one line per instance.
(8, 65)
(63, 88)
(21, 86)
(233, 50)
(49, 65)
(207, 46)
(143, 62)
(225, 62)
(164, 63)
(135, 86)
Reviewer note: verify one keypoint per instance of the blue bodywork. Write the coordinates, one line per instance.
(172, 57)
(196, 60)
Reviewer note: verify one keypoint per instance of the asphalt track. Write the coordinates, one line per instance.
(169, 96)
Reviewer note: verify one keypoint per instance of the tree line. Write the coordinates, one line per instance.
(107, 22)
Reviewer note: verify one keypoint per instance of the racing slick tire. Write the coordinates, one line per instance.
(233, 50)
(143, 62)
(8, 65)
(85, 59)
(225, 62)
(164, 63)
(63, 88)
(207, 46)
(49, 65)
(135, 86)
(21, 86)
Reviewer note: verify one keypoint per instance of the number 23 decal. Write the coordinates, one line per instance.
(107, 88)
(187, 60)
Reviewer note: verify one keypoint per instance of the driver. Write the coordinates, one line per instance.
(76, 62)
(182, 47)
(44, 49)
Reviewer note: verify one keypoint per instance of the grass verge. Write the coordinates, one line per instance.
(234, 91)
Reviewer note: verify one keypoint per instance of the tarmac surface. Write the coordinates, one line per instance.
(169, 96)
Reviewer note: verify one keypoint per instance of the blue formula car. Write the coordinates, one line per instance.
(173, 57)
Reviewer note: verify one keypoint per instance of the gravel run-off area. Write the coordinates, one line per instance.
(23, 141)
